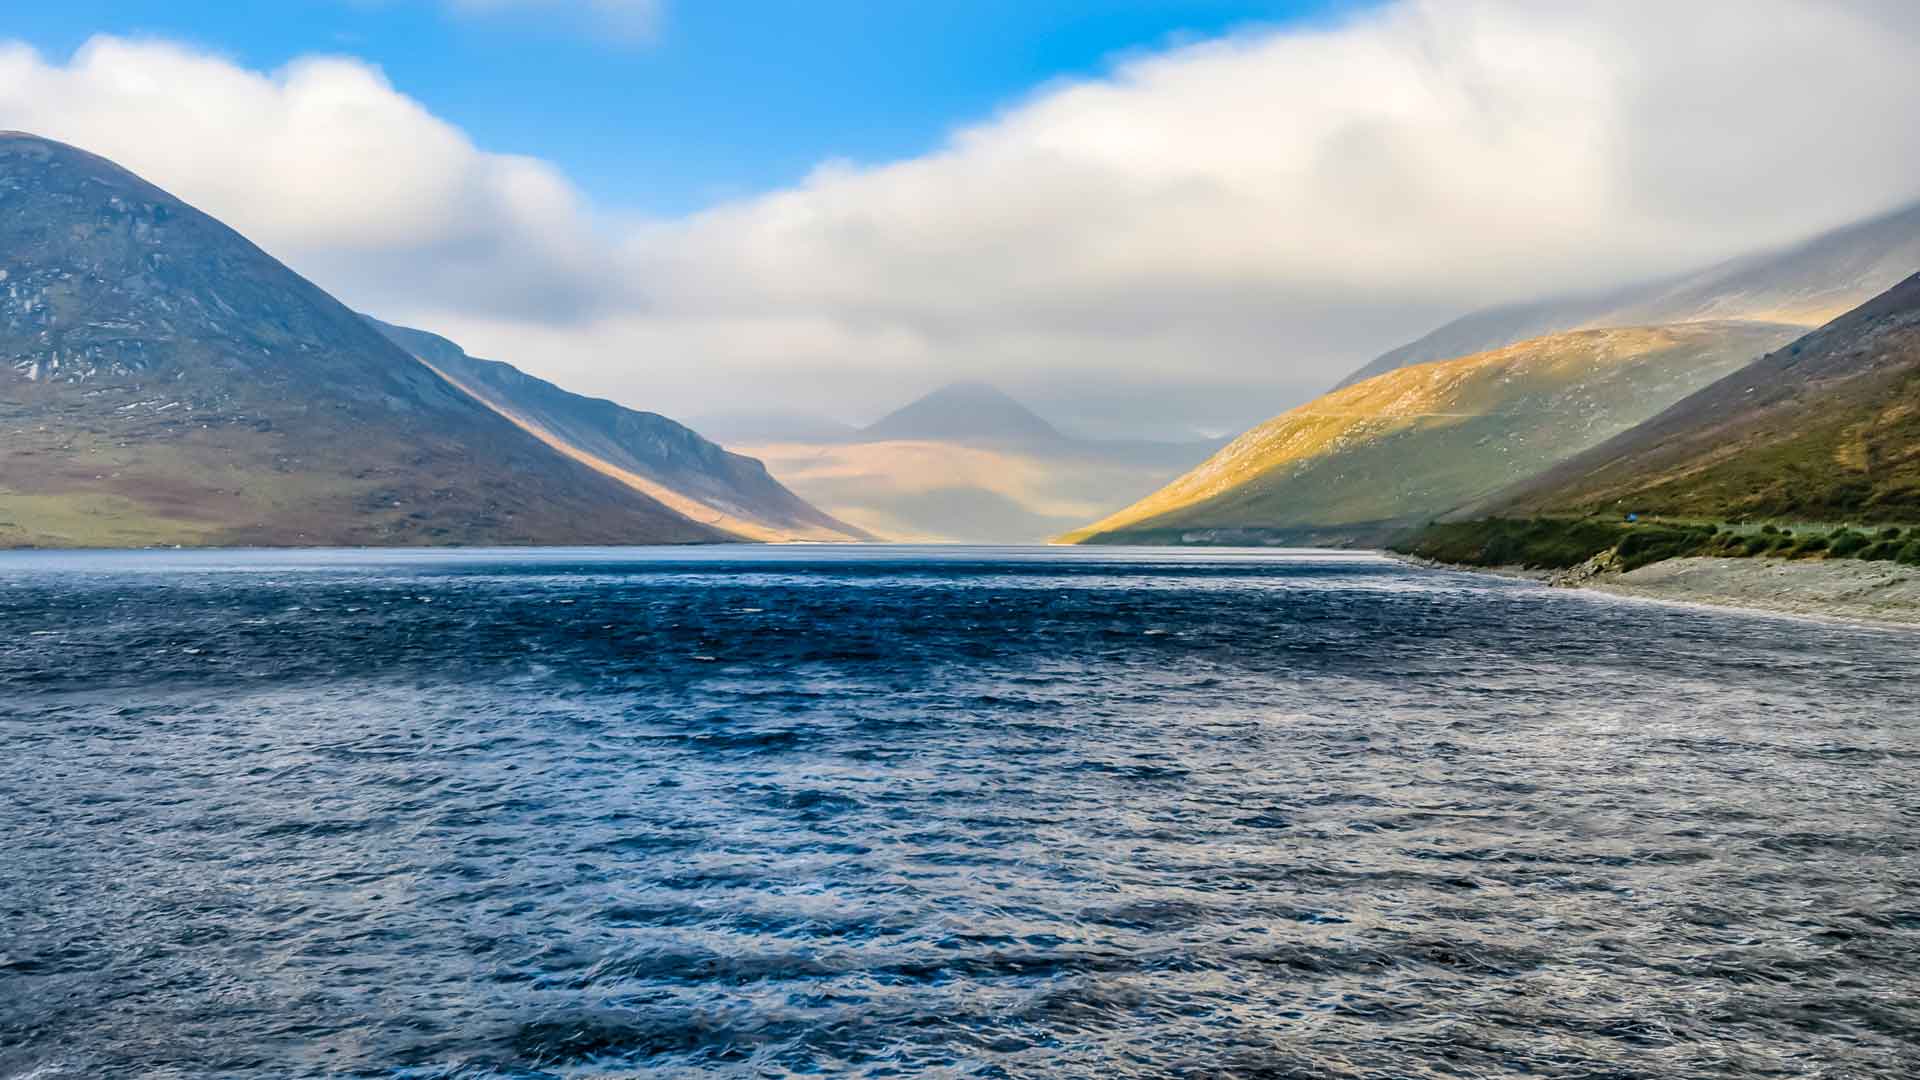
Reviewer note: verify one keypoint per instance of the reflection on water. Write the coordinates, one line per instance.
(939, 814)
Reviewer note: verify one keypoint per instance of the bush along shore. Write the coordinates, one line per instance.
(1849, 572)
(1573, 548)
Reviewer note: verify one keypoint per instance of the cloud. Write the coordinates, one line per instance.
(1201, 237)
(329, 168)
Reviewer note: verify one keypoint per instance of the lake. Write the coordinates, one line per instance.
(939, 812)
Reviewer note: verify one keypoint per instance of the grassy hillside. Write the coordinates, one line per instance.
(163, 381)
(1827, 428)
(662, 458)
(1364, 463)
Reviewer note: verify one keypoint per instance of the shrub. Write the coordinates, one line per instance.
(1910, 555)
(1881, 551)
(1812, 545)
(1768, 530)
(1890, 533)
(1783, 543)
(1846, 543)
(1757, 544)
(1540, 543)
(1650, 544)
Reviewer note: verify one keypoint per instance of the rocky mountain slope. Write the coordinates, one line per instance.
(1825, 429)
(1803, 285)
(164, 381)
(1363, 463)
(647, 451)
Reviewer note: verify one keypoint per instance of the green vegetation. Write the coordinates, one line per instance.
(1535, 543)
(1549, 543)
(1827, 429)
(1382, 456)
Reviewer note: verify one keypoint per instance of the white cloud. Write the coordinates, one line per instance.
(328, 167)
(1205, 234)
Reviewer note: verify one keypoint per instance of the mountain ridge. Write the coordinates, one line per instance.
(934, 470)
(1804, 284)
(165, 381)
(1826, 429)
(1361, 464)
(654, 454)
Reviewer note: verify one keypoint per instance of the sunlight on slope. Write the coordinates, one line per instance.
(940, 491)
(1423, 439)
(682, 504)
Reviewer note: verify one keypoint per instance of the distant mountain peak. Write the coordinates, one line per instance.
(967, 411)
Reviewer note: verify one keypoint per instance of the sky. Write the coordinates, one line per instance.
(1143, 216)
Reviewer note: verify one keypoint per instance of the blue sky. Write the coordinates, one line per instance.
(724, 98)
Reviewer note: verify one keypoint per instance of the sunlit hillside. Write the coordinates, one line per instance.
(1361, 463)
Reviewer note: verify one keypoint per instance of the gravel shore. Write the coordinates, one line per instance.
(1877, 592)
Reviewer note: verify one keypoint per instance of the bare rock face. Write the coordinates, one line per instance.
(1605, 564)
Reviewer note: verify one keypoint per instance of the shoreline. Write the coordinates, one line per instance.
(1879, 594)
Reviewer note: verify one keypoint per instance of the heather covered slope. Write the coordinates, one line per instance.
(164, 381)
(1361, 464)
(1805, 285)
(649, 452)
(1825, 429)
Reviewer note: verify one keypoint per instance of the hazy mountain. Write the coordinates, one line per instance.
(1803, 285)
(743, 428)
(162, 380)
(1826, 429)
(1362, 463)
(969, 463)
(972, 413)
(644, 450)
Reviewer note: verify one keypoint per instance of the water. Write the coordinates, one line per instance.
(877, 813)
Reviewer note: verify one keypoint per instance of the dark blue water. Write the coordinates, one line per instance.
(939, 814)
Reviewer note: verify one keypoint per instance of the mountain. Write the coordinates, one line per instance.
(164, 381)
(1363, 463)
(743, 428)
(646, 451)
(965, 412)
(1825, 429)
(1803, 285)
(970, 464)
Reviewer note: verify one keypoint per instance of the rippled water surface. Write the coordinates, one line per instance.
(953, 813)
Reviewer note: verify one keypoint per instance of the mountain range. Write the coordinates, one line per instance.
(1804, 285)
(965, 463)
(646, 451)
(1826, 429)
(164, 381)
(1362, 464)
(1451, 420)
